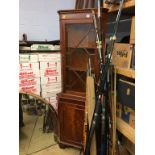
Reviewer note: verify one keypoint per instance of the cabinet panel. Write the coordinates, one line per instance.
(81, 35)
(75, 80)
(71, 123)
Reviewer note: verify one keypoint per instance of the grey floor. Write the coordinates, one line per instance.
(33, 141)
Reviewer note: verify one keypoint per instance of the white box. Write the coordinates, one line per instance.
(29, 74)
(29, 82)
(49, 57)
(50, 80)
(53, 102)
(29, 70)
(51, 65)
(56, 47)
(51, 99)
(29, 66)
(55, 87)
(50, 72)
(35, 89)
(28, 58)
(49, 94)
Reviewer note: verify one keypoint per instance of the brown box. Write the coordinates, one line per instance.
(132, 31)
(121, 56)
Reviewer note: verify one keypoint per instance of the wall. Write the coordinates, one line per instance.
(39, 18)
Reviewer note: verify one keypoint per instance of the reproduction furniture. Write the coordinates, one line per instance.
(78, 45)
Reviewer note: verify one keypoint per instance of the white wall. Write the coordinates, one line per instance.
(39, 18)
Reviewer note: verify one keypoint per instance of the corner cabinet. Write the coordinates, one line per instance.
(78, 45)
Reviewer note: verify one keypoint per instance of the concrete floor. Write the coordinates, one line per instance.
(33, 141)
(55, 150)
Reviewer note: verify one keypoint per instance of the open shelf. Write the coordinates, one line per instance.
(126, 72)
(125, 129)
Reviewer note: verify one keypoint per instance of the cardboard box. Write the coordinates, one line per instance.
(50, 72)
(28, 58)
(29, 66)
(52, 94)
(49, 57)
(121, 56)
(55, 105)
(29, 70)
(132, 31)
(56, 87)
(53, 101)
(50, 65)
(50, 80)
(29, 74)
(29, 82)
(35, 89)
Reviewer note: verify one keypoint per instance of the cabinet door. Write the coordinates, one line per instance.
(71, 123)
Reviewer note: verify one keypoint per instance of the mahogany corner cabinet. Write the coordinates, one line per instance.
(78, 45)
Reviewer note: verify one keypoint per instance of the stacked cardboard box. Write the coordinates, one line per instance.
(50, 71)
(29, 75)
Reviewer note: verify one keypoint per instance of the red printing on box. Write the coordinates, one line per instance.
(52, 79)
(27, 82)
(30, 89)
(26, 74)
(49, 72)
(29, 67)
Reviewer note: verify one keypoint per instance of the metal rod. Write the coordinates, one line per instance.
(103, 76)
(118, 17)
(121, 21)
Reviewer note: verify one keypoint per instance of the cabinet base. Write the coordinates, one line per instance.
(62, 146)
